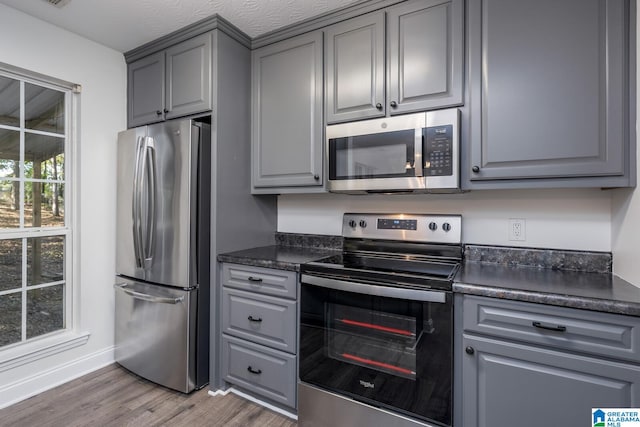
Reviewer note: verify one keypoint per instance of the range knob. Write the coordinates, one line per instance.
(446, 226)
(352, 223)
(363, 223)
(433, 226)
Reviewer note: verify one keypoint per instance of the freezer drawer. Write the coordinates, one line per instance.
(155, 333)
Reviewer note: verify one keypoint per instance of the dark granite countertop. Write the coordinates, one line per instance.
(604, 292)
(563, 278)
(276, 256)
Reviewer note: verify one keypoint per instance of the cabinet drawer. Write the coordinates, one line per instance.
(267, 372)
(281, 283)
(259, 318)
(602, 334)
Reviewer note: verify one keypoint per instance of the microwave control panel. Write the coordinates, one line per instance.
(438, 151)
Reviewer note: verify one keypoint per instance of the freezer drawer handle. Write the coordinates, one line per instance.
(254, 279)
(556, 328)
(147, 297)
(254, 371)
(253, 319)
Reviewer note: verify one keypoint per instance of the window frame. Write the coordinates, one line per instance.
(30, 349)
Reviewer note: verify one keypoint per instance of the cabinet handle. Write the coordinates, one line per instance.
(379, 106)
(253, 319)
(316, 177)
(166, 111)
(159, 112)
(254, 371)
(254, 279)
(469, 350)
(475, 169)
(393, 104)
(556, 328)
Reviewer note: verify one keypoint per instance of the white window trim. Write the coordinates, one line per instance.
(47, 345)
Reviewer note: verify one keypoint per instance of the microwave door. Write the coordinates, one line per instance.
(376, 162)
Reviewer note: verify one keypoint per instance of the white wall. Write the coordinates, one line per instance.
(626, 220)
(563, 219)
(34, 45)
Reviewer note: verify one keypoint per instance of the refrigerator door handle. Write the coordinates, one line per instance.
(136, 203)
(147, 297)
(150, 171)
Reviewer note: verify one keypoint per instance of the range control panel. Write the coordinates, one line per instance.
(424, 228)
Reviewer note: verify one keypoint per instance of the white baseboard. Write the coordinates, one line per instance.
(53, 377)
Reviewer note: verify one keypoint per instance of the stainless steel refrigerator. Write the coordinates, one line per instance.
(163, 244)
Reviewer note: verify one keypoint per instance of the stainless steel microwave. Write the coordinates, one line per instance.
(408, 153)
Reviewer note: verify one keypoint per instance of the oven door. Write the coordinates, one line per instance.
(376, 155)
(385, 346)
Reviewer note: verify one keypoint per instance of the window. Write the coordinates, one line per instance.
(35, 226)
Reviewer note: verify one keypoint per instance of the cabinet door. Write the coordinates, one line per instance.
(549, 92)
(355, 68)
(425, 55)
(146, 90)
(188, 77)
(507, 384)
(287, 122)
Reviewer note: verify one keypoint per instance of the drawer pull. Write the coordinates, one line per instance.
(254, 279)
(557, 328)
(253, 319)
(254, 371)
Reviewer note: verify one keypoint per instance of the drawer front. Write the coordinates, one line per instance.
(267, 372)
(259, 318)
(601, 334)
(280, 283)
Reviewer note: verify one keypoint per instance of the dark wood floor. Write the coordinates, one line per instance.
(114, 397)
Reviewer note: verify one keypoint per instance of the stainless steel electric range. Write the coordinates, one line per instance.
(376, 324)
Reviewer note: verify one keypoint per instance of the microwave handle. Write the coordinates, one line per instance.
(375, 290)
(418, 142)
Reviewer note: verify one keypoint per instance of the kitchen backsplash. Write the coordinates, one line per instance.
(585, 261)
(557, 259)
(317, 241)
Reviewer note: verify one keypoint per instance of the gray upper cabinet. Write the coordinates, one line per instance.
(171, 83)
(549, 94)
(426, 55)
(188, 76)
(146, 90)
(355, 68)
(424, 66)
(287, 118)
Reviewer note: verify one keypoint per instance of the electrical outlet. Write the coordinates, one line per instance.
(517, 229)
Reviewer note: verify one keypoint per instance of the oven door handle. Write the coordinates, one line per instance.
(376, 290)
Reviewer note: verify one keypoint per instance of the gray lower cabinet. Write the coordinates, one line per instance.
(287, 118)
(260, 332)
(170, 83)
(424, 64)
(521, 360)
(549, 94)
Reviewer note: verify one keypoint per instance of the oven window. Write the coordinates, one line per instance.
(384, 155)
(373, 339)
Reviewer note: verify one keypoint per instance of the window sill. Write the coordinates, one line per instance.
(32, 351)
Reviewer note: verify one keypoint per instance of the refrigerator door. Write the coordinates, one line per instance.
(155, 333)
(157, 184)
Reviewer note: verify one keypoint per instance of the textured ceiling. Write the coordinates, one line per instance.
(126, 24)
